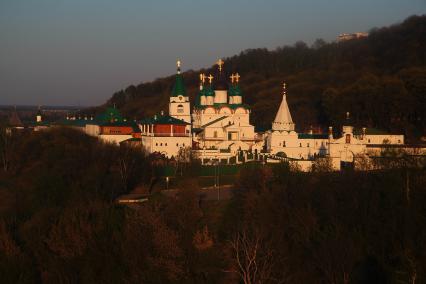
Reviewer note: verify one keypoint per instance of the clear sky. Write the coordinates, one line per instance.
(79, 52)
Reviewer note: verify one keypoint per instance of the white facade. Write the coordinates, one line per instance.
(166, 145)
(179, 107)
(283, 141)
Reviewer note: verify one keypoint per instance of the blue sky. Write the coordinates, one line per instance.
(79, 52)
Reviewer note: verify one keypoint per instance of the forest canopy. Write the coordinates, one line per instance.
(380, 80)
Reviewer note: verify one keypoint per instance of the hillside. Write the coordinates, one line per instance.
(380, 79)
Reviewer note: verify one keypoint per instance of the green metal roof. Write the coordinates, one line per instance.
(235, 91)
(179, 87)
(110, 115)
(163, 119)
(73, 122)
(209, 92)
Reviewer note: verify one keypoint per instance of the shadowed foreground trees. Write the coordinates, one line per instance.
(59, 224)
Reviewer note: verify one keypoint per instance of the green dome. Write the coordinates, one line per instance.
(198, 97)
(209, 92)
(235, 91)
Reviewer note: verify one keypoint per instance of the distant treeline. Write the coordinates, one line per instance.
(59, 224)
(380, 79)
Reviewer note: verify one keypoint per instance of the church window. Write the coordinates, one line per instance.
(180, 109)
(348, 138)
(283, 143)
(215, 134)
(156, 144)
(368, 140)
(307, 145)
(177, 144)
(300, 144)
(399, 141)
(165, 144)
(161, 144)
(183, 144)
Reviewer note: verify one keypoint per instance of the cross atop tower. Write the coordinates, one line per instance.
(284, 89)
(210, 77)
(178, 63)
(220, 64)
(237, 78)
(202, 78)
(232, 77)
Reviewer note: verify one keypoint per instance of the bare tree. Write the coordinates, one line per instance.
(7, 147)
(254, 260)
(183, 158)
(127, 163)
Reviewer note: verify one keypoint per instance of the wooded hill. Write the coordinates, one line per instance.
(380, 80)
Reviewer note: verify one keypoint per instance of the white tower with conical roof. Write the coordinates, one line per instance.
(179, 106)
(283, 120)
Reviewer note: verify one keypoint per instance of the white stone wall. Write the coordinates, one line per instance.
(169, 146)
(383, 139)
(92, 129)
(115, 139)
(220, 97)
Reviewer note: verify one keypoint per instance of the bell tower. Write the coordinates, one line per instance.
(179, 106)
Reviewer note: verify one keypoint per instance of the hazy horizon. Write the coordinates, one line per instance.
(81, 52)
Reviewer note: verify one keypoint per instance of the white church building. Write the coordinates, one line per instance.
(283, 141)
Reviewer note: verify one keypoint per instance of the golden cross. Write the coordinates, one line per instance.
(178, 63)
(237, 77)
(220, 63)
(202, 77)
(210, 77)
(232, 77)
(284, 88)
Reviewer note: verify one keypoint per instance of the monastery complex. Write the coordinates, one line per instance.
(216, 128)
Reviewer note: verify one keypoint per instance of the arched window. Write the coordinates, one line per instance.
(348, 139)
(180, 109)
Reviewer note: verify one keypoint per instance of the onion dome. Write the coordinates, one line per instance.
(208, 91)
(235, 90)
